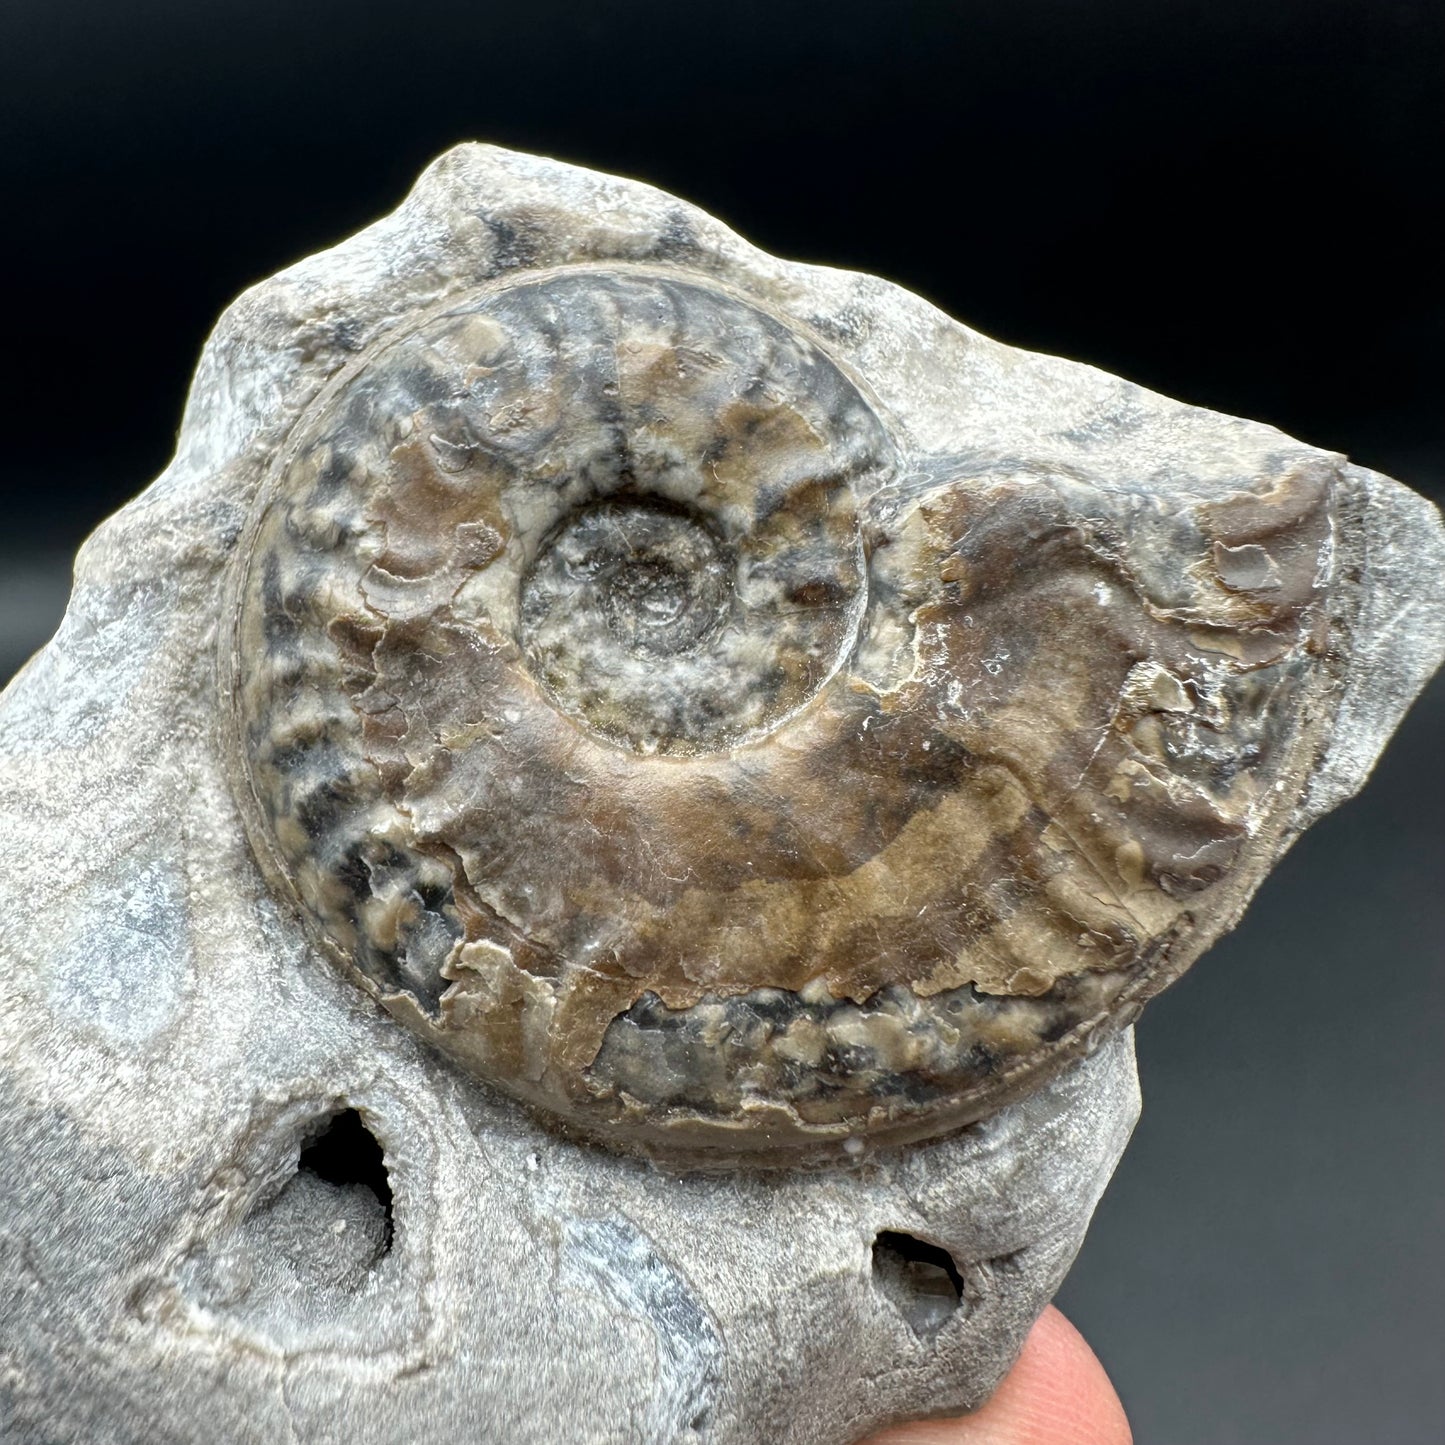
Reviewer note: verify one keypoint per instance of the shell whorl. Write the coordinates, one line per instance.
(627, 709)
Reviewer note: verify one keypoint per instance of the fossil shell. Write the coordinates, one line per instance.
(682, 744)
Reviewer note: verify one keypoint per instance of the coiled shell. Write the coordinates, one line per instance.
(636, 711)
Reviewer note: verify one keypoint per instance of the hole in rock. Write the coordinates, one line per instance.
(291, 1260)
(346, 1155)
(918, 1278)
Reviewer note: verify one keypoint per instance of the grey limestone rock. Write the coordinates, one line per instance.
(582, 863)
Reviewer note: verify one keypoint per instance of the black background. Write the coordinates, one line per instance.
(1232, 202)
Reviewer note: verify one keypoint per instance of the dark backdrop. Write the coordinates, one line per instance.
(1230, 201)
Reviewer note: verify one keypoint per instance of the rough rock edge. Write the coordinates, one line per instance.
(1399, 632)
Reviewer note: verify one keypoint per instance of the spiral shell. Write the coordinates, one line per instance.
(644, 719)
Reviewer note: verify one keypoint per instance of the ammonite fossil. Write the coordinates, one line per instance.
(671, 735)
(723, 704)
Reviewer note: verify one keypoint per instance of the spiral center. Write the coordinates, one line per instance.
(656, 592)
(659, 581)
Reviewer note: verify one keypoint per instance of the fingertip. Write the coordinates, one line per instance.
(1057, 1394)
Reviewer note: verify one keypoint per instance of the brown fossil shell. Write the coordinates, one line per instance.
(642, 721)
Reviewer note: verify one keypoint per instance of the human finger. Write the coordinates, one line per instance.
(1057, 1394)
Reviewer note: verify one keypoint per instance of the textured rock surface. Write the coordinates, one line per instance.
(1030, 675)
